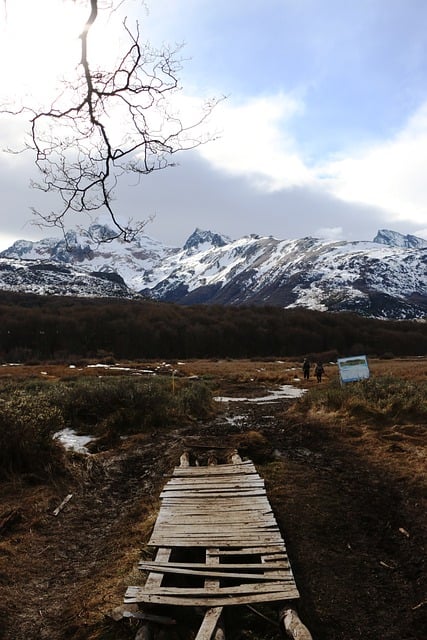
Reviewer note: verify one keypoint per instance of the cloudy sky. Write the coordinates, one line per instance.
(323, 130)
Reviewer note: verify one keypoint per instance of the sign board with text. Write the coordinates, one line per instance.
(353, 369)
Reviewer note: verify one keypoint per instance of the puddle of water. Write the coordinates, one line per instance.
(72, 441)
(285, 391)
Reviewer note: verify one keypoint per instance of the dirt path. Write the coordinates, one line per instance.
(350, 503)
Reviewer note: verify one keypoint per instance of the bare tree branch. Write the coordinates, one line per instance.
(108, 123)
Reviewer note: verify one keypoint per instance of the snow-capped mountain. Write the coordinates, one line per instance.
(53, 278)
(395, 239)
(386, 278)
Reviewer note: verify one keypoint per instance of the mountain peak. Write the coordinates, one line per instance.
(396, 239)
(201, 237)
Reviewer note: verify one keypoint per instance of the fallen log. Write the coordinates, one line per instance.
(293, 626)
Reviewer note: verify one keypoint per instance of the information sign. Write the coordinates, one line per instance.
(353, 369)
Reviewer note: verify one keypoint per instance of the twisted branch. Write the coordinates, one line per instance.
(105, 124)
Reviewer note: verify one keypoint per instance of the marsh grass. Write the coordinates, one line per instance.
(32, 411)
(384, 398)
(27, 423)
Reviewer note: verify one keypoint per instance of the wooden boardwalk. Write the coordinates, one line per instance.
(218, 544)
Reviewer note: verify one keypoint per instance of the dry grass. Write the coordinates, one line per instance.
(278, 370)
(342, 493)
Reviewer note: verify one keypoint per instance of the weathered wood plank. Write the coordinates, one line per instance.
(249, 588)
(260, 550)
(206, 516)
(209, 623)
(208, 541)
(155, 579)
(148, 566)
(221, 478)
(215, 522)
(278, 575)
(290, 593)
(199, 494)
(223, 468)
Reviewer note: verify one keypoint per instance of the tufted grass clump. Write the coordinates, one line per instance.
(27, 424)
(384, 398)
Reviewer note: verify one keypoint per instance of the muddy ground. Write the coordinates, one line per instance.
(349, 498)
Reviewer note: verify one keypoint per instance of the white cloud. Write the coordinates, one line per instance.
(257, 142)
(330, 233)
(254, 142)
(390, 174)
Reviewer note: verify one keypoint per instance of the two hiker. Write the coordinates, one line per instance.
(318, 370)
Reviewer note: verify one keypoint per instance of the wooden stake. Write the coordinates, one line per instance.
(235, 458)
(62, 505)
(184, 460)
(293, 626)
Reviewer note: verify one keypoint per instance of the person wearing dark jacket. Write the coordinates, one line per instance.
(319, 371)
(306, 369)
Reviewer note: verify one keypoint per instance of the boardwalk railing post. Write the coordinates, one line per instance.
(293, 626)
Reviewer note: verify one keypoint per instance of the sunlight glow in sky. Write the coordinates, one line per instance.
(323, 130)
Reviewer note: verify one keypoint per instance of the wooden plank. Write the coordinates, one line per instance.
(289, 593)
(207, 541)
(241, 467)
(242, 522)
(212, 563)
(178, 506)
(155, 579)
(209, 623)
(275, 586)
(279, 549)
(201, 516)
(214, 525)
(148, 566)
(238, 487)
(208, 505)
(237, 499)
(231, 481)
(282, 575)
(201, 494)
(210, 586)
(268, 535)
(214, 486)
(217, 478)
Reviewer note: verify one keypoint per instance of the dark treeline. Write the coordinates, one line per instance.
(62, 328)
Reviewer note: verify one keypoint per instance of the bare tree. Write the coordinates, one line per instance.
(106, 123)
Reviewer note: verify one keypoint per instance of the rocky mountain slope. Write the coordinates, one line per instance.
(385, 278)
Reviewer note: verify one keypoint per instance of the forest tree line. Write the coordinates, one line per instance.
(64, 328)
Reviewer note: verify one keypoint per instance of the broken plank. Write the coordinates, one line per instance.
(155, 579)
(148, 566)
(281, 574)
(209, 623)
(259, 550)
(62, 505)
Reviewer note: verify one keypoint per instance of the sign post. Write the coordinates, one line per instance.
(353, 369)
